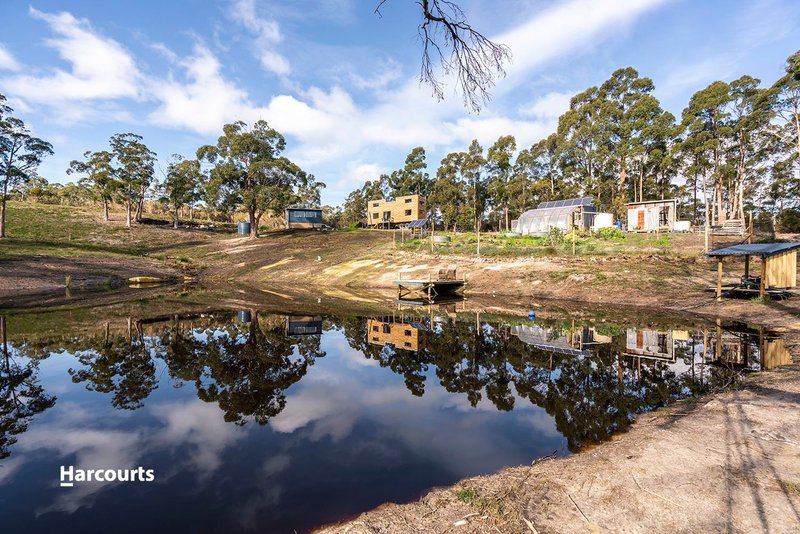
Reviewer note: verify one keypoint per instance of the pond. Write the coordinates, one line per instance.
(251, 420)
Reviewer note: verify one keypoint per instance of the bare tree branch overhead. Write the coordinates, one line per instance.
(450, 40)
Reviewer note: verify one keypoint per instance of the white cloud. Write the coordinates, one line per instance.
(7, 61)
(550, 106)
(204, 101)
(100, 68)
(569, 27)
(267, 34)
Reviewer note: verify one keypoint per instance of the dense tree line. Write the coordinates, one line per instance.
(735, 148)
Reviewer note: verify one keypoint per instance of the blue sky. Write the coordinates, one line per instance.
(341, 82)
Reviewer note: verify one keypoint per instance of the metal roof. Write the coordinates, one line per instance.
(585, 201)
(662, 201)
(760, 249)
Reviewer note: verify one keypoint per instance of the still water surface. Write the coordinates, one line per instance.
(256, 421)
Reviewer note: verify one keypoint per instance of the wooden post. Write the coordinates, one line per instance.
(719, 340)
(762, 288)
(747, 266)
(705, 246)
(750, 236)
(719, 278)
(574, 237)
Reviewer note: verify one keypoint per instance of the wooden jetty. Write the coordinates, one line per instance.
(445, 283)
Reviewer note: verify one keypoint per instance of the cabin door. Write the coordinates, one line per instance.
(640, 219)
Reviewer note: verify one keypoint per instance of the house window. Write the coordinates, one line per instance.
(375, 215)
(375, 328)
(408, 200)
(387, 329)
(407, 344)
(663, 216)
(407, 332)
(662, 344)
(387, 215)
(408, 213)
(374, 338)
(376, 204)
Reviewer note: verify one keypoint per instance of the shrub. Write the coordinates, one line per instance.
(789, 221)
(554, 237)
(610, 234)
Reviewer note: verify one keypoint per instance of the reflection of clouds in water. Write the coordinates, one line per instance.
(265, 492)
(337, 394)
(93, 449)
(198, 426)
(350, 356)
(9, 467)
(194, 425)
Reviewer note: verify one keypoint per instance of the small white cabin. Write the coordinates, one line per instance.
(652, 215)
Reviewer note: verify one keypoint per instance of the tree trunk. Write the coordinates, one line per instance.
(175, 223)
(139, 209)
(128, 214)
(3, 217)
(797, 126)
(105, 208)
(253, 222)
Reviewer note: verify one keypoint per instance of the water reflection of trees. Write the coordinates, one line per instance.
(590, 393)
(246, 366)
(21, 394)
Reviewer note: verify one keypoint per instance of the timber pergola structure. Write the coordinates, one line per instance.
(778, 268)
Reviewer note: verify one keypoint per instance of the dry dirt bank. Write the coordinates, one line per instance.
(322, 262)
(730, 463)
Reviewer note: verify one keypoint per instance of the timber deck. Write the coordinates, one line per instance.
(427, 288)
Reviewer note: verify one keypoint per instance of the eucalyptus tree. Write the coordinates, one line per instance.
(99, 176)
(499, 173)
(583, 133)
(182, 184)
(309, 192)
(354, 210)
(473, 169)
(20, 156)
(787, 97)
(752, 139)
(412, 178)
(135, 171)
(448, 194)
(248, 170)
(706, 121)
(630, 105)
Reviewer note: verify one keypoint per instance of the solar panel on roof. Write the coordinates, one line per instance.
(416, 224)
(583, 201)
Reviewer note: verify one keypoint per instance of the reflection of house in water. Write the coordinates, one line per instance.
(303, 326)
(653, 344)
(571, 341)
(745, 350)
(395, 331)
(775, 353)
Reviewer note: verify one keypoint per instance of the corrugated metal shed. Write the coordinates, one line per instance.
(756, 249)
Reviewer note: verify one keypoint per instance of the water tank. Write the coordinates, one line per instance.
(243, 228)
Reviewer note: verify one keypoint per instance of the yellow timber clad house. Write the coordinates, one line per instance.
(390, 213)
